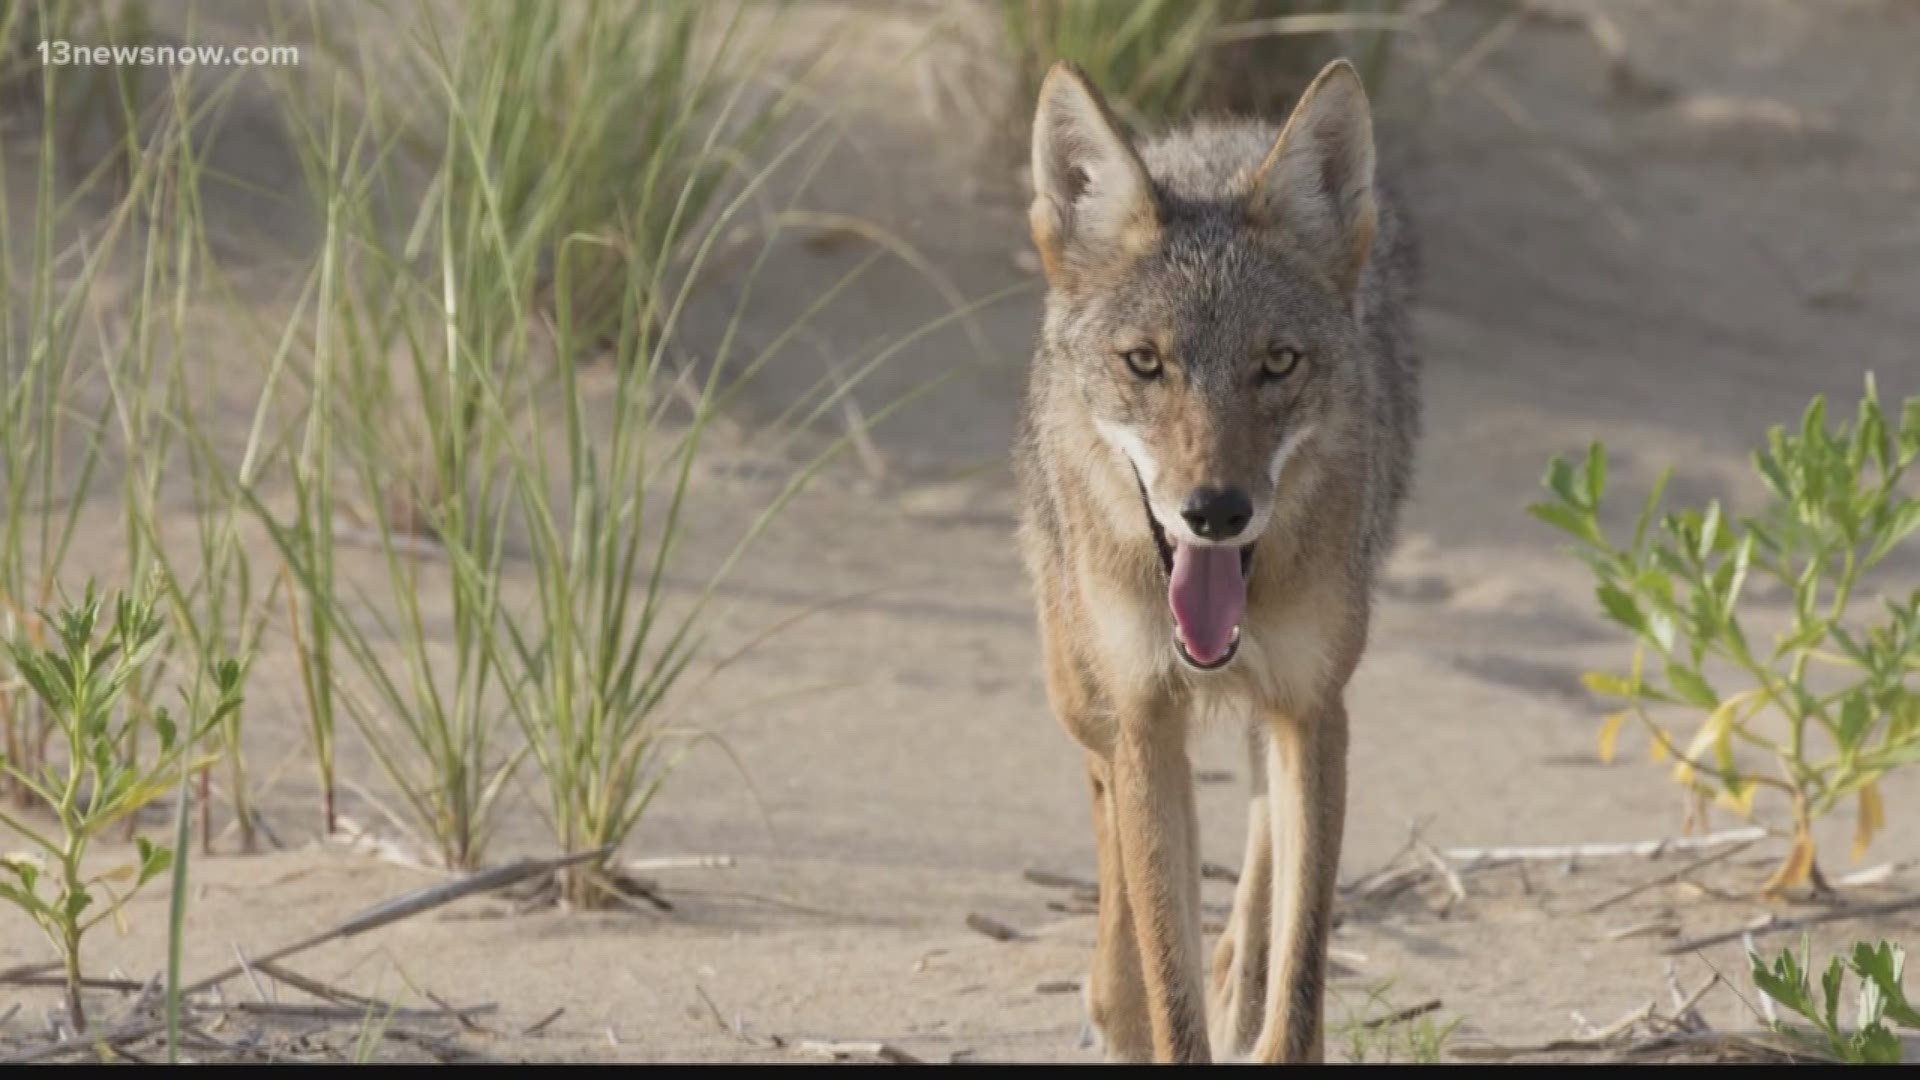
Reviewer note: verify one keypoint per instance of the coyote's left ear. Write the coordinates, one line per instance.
(1317, 181)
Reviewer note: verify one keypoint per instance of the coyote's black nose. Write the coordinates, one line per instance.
(1214, 514)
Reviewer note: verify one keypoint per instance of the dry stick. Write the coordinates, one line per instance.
(1685, 1007)
(1664, 927)
(1719, 1044)
(141, 1001)
(20, 971)
(1386, 884)
(1596, 1041)
(1364, 882)
(678, 862)
(315, 987)
(247, 970)
(1422, 1009)
(542, 1024)
(1668, 879)
(464, 1015)
(1454, 885)
(732, 1029)
(1625, 1023)
(411, 904)
(1562, 852)
(1774, 925)
(124, 986)
(351, 1012)
(1046, 879)
(992, 927)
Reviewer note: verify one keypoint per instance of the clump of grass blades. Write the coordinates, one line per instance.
(601, 478)
(433, 356)
(84, 98)
(585, 120)
(52, 440)
(166, 430)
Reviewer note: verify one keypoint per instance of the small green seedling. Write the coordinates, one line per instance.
(1882, 1000)
(88, 783)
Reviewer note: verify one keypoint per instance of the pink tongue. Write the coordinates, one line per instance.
(1208, 596)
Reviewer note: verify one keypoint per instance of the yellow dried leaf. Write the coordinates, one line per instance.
(1794, 871)
(1742, 803)
(1873, 818)
(1658, 751)
(1610, 734)
(1607, 684)
(1718, 726)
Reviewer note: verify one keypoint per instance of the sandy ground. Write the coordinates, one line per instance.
(1671, 270)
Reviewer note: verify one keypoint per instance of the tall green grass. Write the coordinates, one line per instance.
(591, 130)
(487, 377)
(50, 439)
(493, 345)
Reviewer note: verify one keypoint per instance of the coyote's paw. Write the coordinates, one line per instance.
(1094, 1034)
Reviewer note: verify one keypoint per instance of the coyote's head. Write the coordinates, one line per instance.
(1204, 306)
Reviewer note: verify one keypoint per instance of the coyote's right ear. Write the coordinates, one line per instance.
(1092, 199)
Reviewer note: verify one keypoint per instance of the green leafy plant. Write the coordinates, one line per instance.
(1686, 585)
(81, 680)
(1881, 1001)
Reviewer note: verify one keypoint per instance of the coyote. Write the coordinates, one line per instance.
(1217, 436)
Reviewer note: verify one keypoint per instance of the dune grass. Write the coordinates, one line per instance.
(487, 376)
(1160, 60)
(500, 402)
(50, 440)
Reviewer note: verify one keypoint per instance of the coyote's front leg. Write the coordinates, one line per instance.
(1116, 996)
(1159, 853)
(1238, 1004)
(1307, 781)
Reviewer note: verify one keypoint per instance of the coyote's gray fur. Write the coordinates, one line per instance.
(1217, 437)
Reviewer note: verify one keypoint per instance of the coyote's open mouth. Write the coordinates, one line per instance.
(1207, 591)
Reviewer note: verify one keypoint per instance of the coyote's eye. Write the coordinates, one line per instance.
(1143, 362)
(1280, 362)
